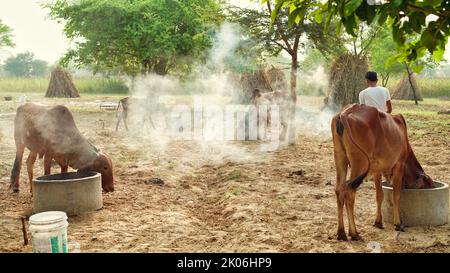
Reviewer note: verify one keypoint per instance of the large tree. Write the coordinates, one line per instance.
(412, 32)
(137, 36)
(25, 65)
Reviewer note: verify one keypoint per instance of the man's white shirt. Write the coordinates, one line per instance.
(375, 97)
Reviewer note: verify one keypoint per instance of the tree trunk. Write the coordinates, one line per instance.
(161, 67)
(411, 83)
(291, 127)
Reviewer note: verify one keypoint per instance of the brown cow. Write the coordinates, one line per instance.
(137, 104)
(52, 132)
(124, 115)
(372, 143)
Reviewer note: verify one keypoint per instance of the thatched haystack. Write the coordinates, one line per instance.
(346, 80)
(404, 90)
(61, 85)
(263, 78)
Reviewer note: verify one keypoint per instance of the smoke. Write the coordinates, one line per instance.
(226, 42)
(314, 82)
(165, 109)
(313, 118)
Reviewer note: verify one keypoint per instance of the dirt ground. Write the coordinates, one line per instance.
(225, 197)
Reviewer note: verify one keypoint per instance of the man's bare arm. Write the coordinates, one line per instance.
(389, 106)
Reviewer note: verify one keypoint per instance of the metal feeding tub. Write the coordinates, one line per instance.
(73, 193)
(418, 207)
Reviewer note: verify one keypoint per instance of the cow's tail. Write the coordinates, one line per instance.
(341, 125)
(15, 172)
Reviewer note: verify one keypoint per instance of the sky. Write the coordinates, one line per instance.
(33, 31)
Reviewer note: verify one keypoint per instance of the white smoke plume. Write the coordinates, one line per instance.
(206, 93)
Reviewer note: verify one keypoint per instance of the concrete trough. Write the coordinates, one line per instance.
(418, 207)
(73, 193)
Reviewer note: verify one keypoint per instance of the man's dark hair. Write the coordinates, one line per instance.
(372, 76)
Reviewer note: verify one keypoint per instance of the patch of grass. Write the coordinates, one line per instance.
(234, 175)
(236, 191)
(171, 165)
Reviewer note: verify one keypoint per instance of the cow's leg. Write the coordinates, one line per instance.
(125, 117)
(118, 122)
(341, 162)
(378, 220)
(397, 188)
(350, 195)
(30, 164)
(47, 164)
(64, 168)
(358, 166)
(151, 121)
(15, 173)
(341, 174)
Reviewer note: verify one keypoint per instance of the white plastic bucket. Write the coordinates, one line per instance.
(49, 232)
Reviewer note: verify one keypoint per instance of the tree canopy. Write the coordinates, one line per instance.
(137, 36)
(5, 35)
(417, 26)
(25, 65)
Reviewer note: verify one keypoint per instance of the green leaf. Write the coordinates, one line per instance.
(276, 11)
(438, 54)
(382, 18)
(351, 7)
(318, 16)
(350, 25)
(396, 3)
(417, 20)
(428, 39)
(417, 68)
(397, 34)
(297, 15)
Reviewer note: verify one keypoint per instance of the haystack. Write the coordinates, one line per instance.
(346, 80)
(404, 90)
(262, 78)
(61, 85)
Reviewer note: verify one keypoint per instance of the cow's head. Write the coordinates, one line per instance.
(414, 175)
(424, 182)
(103, 165)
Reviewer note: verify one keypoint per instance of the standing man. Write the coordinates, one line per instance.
(375, 96)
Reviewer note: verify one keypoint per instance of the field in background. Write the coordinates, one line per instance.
(430, 87)
(16, 86)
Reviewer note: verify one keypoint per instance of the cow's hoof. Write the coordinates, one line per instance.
(399, 228)
(356, 237)
(341, 236)
(378, 225)
(16, 190)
